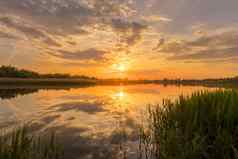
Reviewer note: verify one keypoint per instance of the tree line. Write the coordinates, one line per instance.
(13, 72)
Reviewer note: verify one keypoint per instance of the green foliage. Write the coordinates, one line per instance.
(13, 72)
(9, 71)
(20, 145)
(203, 126)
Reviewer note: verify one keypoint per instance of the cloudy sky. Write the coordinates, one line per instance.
(121, 38)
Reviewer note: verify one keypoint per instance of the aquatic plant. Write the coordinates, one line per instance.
(201, 126)
(19, 144)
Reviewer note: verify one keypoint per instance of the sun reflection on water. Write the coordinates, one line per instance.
(121, 98)
(120, 95)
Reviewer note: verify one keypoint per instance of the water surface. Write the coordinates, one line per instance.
(93, 122)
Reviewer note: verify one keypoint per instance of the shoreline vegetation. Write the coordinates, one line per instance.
(13, 76)
(21, 144)
(201, 126)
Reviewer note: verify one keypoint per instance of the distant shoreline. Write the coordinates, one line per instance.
(46, 81)
(74, 82)
(12, 76)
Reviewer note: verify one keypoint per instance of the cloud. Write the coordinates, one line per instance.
(155, 19)
(161, 43)
(30, 31)
(50, 21)
(189, 12)
(66, 16)
(51, 42)
(207, 47)
(72, 43)
(85, 55)
(50, 13)
(209, 54)
(173, 46)
(119, 8)
(130, 32)
(8, 35)
(221, 39)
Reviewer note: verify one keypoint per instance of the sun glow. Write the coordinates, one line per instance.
(121, 68)
(119, 96)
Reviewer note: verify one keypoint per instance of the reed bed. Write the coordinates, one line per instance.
(19, 144)
(201, 126)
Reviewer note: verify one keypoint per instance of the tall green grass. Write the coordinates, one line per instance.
(201, 126)
(19, 144)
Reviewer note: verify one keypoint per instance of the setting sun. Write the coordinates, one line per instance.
(121, 68)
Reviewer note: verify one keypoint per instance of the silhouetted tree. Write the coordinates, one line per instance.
(9, 71)
(13, 72)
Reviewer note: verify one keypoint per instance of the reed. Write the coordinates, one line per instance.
(201, 126)
(19, 144)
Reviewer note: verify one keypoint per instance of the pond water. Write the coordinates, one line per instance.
(98, 122)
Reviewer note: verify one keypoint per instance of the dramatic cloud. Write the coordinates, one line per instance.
(188, 12)
(130, 32)
(69, 34)
(155, 19)
(209, 54)
(32, 32)
(50, 21)
(119, 8)
(7, 35)
(161, 43)
(85, 55)
(229, 38)
(208, 47)
(173, 46)
(27, 30)
(50, 13)
(66, 16)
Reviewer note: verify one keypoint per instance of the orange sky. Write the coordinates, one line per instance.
(121, 38)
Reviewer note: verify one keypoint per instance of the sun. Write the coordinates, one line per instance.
(121, 68)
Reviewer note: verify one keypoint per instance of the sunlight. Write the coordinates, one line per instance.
(121, 67)
(119, 95)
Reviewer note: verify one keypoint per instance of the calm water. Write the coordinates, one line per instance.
(94, 122)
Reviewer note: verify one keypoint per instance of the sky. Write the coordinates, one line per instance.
(135, 39)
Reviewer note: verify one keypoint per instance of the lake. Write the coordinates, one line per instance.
(99, 122)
